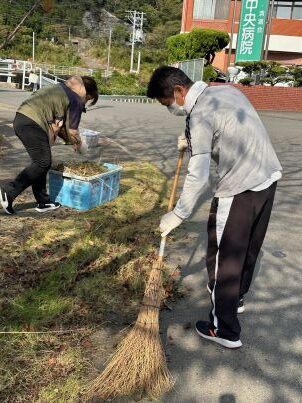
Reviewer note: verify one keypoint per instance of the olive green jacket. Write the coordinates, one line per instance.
(46, 106)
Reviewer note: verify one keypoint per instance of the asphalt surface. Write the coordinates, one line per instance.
(268, 368)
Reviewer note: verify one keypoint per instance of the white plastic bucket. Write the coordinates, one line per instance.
(90, 139)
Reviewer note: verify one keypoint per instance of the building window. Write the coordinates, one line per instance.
(211, 9)
(289, 10)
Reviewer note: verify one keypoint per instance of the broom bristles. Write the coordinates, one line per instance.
(139, 363)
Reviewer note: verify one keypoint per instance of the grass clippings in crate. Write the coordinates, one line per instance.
(84, 169)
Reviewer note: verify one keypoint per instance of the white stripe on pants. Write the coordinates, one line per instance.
(223, 210)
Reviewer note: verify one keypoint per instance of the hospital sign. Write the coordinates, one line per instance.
(251, 30)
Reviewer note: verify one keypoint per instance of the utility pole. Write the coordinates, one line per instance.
(140, 51)
(137, 20)
(109, 51)
(69, 34)
(133, 41)
(33, 56)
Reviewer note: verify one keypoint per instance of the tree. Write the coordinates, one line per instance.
(177, 47)
(45, 4)
(200, 43)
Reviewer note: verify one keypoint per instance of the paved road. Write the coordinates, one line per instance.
(268, 367)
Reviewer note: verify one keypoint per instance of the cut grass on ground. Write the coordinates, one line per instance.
(82, 272)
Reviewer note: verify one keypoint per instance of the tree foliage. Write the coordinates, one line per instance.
(125, 84)
(209, 74)
(163, 19)
(272, 73)
(200, 43)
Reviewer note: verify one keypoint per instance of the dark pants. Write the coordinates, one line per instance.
(236, 230)
(36, 143)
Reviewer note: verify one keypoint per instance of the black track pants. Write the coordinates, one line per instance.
(236, 230)
(36, 143)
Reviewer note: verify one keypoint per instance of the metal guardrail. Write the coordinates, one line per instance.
(7, 70)
(45, 78)
(128, 99)
(48, 73)
(64, 70)
(10, 70)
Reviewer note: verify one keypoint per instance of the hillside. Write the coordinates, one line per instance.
(87, 20)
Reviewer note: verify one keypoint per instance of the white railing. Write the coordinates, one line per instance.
(64, 70)
(7, 70)
(128, 98)
(10, 69)
(47, 73)
(30, 73)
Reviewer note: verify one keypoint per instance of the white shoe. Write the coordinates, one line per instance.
(6, 202)
(204, 330)
(44, 207)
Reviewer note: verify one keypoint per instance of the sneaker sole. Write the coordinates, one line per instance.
(45, 210)
(222, 342)
(241, 309)
(4, 204)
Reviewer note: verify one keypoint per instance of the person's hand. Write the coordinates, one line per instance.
(182, 143)
(75, 139)
(169, 222)
(77, 147)
(77, 144)
(56, 126)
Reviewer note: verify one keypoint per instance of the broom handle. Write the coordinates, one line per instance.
(171, 204)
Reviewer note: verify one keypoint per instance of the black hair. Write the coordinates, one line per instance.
(91, 89)
(163, 81)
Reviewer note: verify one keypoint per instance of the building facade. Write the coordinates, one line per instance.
(285, 39)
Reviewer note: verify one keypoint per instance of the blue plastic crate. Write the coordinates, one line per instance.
(85, 193)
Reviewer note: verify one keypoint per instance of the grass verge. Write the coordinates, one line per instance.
(81, 272)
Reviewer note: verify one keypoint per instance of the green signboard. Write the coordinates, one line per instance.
(251, 30)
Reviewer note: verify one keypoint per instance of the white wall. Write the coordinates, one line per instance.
(280, 43)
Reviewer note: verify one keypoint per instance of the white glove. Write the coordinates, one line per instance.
(182, 143)
(83, 148)
(168, 222)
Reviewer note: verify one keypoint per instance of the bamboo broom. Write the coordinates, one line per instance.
(139, 363)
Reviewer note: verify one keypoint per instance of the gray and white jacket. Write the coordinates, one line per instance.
(222, 124)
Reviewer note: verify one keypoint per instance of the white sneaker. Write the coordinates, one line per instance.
(44, 207)
(6, 202)
(204, 330)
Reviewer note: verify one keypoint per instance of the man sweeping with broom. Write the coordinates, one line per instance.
(222, 124)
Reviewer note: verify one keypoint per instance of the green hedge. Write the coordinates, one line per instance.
(120, 84)
(200, 43)
(209, 74)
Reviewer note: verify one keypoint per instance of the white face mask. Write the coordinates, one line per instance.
(176, 109)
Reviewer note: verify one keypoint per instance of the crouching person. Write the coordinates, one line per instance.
(48, 113)
(222, 124)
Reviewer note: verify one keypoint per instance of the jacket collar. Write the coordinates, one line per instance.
(194, 92)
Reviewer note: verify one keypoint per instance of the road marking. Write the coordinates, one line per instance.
(119, 145)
